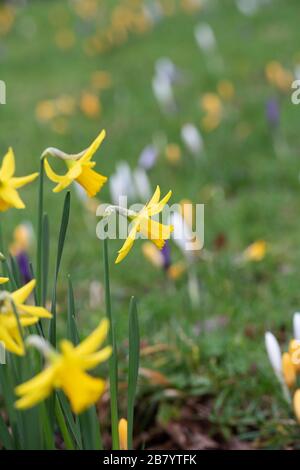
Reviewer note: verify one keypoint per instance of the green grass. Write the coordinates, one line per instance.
(256, 194)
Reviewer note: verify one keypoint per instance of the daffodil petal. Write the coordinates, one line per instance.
(51, 174)
(9, 342)
(3, 280)
(11, 197)
(92, 149)
(157, 208)
(94, 340)
(39, 312)
(91, 361)
(18, 182)
(124, 250)
(8, 165)
(20, 295)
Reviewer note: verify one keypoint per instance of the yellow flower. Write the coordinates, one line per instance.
(296, 401)
(66, 371)
(141, 222)
(123, 434)
(79, 169)
(9, 184)
(3, 280)
(9, 332)
(256, 251)
(288, 370)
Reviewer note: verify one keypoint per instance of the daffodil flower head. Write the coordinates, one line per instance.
(80, 168)
(12, 304)
(9, 184)
(142, 222)
(66, 370)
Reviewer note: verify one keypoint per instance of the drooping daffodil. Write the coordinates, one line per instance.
(66, 370)
(141, 222)
(9, 184)
(80, 168)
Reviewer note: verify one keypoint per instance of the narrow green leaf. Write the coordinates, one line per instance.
(113, 361)
(62, 425)
(133, 366)
(45, 258)
(90, 429)
(72, 329)
(60, 247)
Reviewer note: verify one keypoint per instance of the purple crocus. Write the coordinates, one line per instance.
(273, 113)
(148, 157)
(166, 253)
(24, 266)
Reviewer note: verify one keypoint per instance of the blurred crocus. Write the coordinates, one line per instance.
(272, 113)
(141, 184)
(148, 157)
(165, 67)
(163, 92)
(192, 139)
(205, 38)
(274, 354)
(121, 183)
(22, 239)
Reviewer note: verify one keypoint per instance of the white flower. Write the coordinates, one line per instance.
(142, 184)
(205, 38)
(274, 354)
(192, 138)
(296, 325)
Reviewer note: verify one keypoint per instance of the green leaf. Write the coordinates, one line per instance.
(60, 247)
(5, 437)
(133, 366)
(113, 361)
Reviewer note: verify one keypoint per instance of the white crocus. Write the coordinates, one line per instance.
(192, 139)
(296, 326)
(142, 184)
(275, 358)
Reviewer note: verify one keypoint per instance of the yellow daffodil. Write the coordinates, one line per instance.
(9, 332)
(66, 371)
(9, 184)
(141, 222)
(123, 434)
(80, 169)
(3, 280)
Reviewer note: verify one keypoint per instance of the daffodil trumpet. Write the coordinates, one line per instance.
(80, 168)
(66, 370)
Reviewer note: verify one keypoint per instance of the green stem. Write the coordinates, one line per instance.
(39, 262)
(113, 362)
(63, 427)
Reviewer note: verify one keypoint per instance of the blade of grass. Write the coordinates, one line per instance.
(62, 425)
(133, 366)
(113, 361)
(60, 247)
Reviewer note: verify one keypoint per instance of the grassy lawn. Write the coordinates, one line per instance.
(250, 192)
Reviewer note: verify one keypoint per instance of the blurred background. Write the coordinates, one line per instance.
(195, 96)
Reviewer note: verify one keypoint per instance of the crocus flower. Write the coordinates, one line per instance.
(256, 251)
(66, 370)
(148, 157)
(80, 168)
(9, 184)
(123, 434)
(192, 139)
(272, 113)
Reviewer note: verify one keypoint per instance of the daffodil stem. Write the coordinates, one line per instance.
(39, 261)
(113, 362)
(63, 427)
